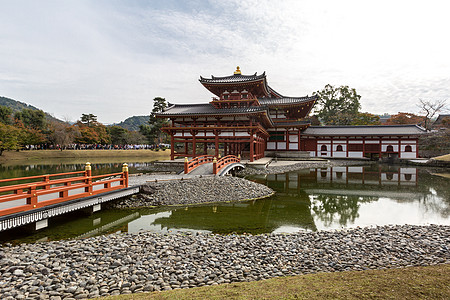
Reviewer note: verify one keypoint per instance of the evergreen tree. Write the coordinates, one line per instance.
(337, 106)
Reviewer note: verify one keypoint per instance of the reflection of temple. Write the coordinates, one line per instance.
(348, 180)
(260, 216)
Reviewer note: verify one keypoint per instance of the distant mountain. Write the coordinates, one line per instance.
(18, 106)
(133, 123)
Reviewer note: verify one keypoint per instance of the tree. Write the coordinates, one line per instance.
(404, 118)
(429, 109)
(153, 130)
(88, 119)
(9, 137)
(5, 114)
(118, 135)
(34, 119)
(366, 119)
(337, 106)
(91, 131)
(61, 133)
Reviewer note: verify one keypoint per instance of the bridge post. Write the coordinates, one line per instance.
(215, 166)
(32, 200)
(88, 171)
(186, 165)
(125, 174)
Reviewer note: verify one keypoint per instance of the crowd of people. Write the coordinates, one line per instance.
(96, 147)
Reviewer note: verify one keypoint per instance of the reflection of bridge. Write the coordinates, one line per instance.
(33, 200)
(210, 165)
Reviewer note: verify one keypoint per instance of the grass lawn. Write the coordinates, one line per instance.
(9, 156)
(432, 282)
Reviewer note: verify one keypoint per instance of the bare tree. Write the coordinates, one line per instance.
(430, 108)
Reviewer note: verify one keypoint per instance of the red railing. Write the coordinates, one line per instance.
(224, 161)
(40, 191)
(190, 165)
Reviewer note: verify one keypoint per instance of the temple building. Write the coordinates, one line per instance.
(247, 117)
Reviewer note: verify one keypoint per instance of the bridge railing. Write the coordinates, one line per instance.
(224, 161)
(41, 191)
(190, 165)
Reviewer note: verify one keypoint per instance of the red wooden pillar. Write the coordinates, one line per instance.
(194, 145)
(287, 139)
(172, 145)
(399, 147)
(346, 147)
(379, 151)
(32, 200)
(417, 150)
(331, 139)
(364, 146)
(216, 143)
(251, 146)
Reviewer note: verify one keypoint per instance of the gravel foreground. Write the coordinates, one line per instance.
(130, 263)
(195, 191)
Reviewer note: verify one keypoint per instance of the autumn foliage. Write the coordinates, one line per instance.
(404, 118)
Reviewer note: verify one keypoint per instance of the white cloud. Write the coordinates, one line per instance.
(111, 58)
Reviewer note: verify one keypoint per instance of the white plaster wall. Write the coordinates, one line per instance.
(408, 171)
(281, 145)
(340, 154)
(355, 169)
(270, 146)
(293, 138)
(293, 146)
(372, 142)
(408, 154)
(312, 153)
(355, 154)
(355, 142)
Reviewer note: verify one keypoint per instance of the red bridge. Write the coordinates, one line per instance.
(32, 200)
(215, 166)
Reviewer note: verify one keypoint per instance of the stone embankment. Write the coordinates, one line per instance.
(277, 168)
(130, 263)
(195, 191)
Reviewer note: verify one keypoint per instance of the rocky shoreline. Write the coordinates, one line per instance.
(195, 191)
(273, 169)
(130, 263)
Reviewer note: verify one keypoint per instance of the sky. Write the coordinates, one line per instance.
(111, 57)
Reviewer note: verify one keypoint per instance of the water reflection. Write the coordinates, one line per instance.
(312, 199)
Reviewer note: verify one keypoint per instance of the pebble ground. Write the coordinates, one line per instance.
(130, 263)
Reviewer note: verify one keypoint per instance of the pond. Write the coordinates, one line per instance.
(309, 199)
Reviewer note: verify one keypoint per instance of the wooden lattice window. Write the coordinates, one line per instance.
(339, 148)
(355, 147)
(323, 148)
(408, 148)
(390, 148)
(277, 136)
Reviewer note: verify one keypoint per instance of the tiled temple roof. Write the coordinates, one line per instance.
(286, 100)
(233, 78)
(208, 109)
(373, 130)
